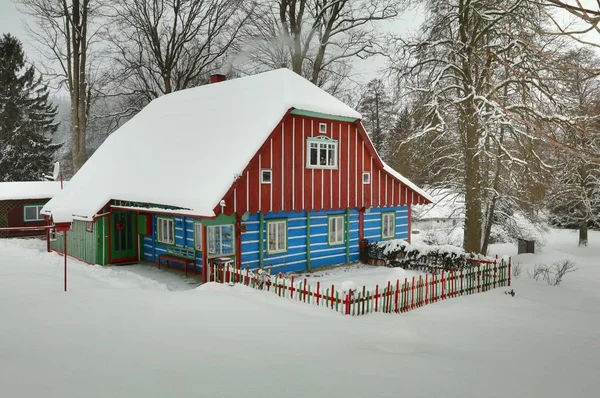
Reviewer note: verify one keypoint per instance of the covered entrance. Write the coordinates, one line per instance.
(123, 236)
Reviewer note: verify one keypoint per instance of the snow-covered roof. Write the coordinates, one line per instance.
(447, 204)
(28, 190)
(60, 216)
(184, 149)
(407, 182)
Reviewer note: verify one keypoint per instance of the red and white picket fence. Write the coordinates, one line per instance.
(393, 297)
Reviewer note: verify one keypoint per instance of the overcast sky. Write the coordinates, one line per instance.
(10, 21)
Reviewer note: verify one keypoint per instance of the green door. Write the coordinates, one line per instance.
(123, 245)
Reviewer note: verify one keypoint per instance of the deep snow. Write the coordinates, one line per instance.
(116, 333)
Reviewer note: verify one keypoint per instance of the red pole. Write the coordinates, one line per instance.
(65, 254)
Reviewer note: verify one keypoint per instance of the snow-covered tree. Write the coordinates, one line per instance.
(377, 109)
(478, 73)
(575, 197)
(26, 117)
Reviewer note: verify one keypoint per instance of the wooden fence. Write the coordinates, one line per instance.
(394, 297)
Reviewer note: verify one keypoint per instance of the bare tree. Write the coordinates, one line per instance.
(162, 46)
(316, 38)
(65, 30)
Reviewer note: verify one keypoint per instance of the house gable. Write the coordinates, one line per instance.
(295, 187)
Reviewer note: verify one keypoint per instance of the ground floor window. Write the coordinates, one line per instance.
(220, 240)
(336, 230)
(276, 236)
(32, 213)
(165, 230)
(388, 225)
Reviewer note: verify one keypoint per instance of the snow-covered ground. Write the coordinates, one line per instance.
(359, 274)
(116, 333)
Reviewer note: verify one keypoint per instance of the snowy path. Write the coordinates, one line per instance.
(119, 334)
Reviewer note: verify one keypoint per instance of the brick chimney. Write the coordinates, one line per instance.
(216, 78)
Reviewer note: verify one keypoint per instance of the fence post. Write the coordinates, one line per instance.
(443, 286)
(412, 294)
(364, 298)
(376, 297)
(509, 267)
(405, 302)
(347, 304)
(426, 288)
(318, 291)
(396, 294)
(304, 290)
(332, 297)
(478, 278)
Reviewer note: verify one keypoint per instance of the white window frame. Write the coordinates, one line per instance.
(262, 175)
(323, 128)
(322, 143)
(386, 233)
(280, 244)
(209, 233)
(366, 177)
(198, 236)
(38, 209)
(165, 230)
(335, 224)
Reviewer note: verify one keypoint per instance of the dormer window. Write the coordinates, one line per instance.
(323, 128)
(321, 153)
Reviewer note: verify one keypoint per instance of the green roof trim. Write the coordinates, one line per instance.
(301, 112)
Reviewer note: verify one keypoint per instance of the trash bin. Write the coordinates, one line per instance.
(526, 246)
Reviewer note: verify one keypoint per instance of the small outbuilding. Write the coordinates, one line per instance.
(20, 206)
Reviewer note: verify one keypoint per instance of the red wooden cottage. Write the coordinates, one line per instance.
(268, 170)
(20, 206)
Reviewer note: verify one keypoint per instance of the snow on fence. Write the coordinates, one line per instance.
(390, 298)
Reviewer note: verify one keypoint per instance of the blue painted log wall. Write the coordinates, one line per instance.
(295, 258)
(184, 237)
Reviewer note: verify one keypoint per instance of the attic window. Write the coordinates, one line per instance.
(323, 128)
(366, 177)
(321, 153)
(265, 176)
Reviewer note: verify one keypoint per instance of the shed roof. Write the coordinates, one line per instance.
(19, 190)
(185, 149)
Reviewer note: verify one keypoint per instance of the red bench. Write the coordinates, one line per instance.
(184, 256)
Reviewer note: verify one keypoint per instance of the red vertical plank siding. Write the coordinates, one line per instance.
(335, 180)
(295, 187)
(299, 164)
(352, 167)
(277, 170)
(288, 163)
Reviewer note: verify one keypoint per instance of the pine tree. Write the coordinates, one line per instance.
(26, 117)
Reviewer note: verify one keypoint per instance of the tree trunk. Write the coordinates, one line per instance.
(473, 235)
(583, 233)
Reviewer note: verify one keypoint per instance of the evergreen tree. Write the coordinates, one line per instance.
(26, 117)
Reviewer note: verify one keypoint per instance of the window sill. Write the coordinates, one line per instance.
(276, 252)
(322, 167)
